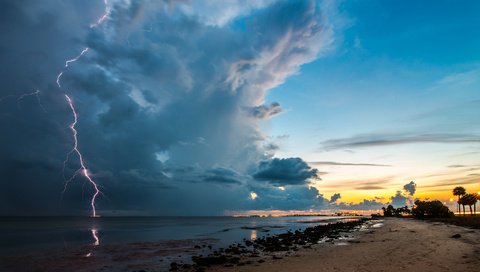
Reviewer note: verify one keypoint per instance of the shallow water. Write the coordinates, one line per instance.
(20, 235)
(131, 243)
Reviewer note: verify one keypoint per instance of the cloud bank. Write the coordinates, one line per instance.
(170, 97)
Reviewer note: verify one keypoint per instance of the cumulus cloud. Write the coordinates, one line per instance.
(335, 197)
(265, 111)
(410, 188)
(398, 200)
(281, 172)
(160, 78)
(291, 198)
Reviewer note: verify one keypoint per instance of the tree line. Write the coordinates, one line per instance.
(435, 208)
(421, 209)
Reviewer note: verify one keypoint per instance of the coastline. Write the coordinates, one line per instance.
(399, 245)
(380, 244)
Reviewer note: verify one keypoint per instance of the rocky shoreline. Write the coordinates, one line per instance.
(278, 246)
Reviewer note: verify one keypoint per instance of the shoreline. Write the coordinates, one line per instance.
(376, 244)
(399, 245)
(276, 247)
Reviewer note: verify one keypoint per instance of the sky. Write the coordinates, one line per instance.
(228, 107)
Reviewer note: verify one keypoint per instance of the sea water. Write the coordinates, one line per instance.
(21, 235)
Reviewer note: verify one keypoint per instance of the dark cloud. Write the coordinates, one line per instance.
(346, 163)
(335, 197)
(291, 198)
(158, 79)
(281, 172)
(222, 175)
(410, 188)
(372, 140)
(265, 111)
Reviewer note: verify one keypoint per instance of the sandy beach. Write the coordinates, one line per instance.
(399, 245)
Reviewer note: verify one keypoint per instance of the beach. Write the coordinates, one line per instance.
(380, 244)
(398, 245)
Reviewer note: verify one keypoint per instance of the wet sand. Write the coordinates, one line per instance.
(398, 245)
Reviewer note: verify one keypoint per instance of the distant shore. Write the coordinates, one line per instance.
(398, 245)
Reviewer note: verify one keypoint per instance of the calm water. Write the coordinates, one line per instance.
(21, 235)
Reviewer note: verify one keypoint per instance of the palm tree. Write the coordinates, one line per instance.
(462, 201)
(468, 199)
(475, 198)
(459, 191)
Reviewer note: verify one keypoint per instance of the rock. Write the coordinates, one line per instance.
(237, 254)
(456, 236)
(173, 266)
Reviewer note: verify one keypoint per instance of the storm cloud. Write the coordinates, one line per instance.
(222, 175)
(161, 98)
(281, 172)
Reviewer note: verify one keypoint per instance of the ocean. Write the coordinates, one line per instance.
(163, 238)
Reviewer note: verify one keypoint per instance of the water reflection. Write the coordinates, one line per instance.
(253, 234)
(95, 236)
(96, 243)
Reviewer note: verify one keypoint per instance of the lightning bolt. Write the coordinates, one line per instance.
(75, 150)
(83, 169)
(67, 63)
(22, 96)
(36, 94)
(85, 50)
(95, 236)
(104, 16)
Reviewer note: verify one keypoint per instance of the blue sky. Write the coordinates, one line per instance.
(399, 67)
